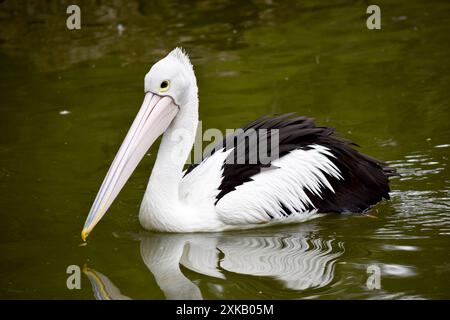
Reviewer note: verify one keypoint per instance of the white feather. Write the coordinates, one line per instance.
(298, 171)
(202, 183)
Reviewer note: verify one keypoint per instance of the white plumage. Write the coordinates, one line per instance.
(286, 183)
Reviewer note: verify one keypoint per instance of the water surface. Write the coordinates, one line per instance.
(68, 98)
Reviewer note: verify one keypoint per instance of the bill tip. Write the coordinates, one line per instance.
(84, 234)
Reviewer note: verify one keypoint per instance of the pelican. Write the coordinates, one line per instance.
(315, 172)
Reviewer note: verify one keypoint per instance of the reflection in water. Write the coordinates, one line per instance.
(103, 288)
(294, 258)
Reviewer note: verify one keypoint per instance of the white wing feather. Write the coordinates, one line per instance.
(298, 171)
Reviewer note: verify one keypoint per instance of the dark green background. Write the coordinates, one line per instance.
(386, 89)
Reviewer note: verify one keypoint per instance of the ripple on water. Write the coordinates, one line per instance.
(423, 212)
(418, 166)
(393, 247)
(397, 270)
(423, 208)
(442, 146)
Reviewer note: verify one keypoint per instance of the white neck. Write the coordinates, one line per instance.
(174, 150)
(161, 204)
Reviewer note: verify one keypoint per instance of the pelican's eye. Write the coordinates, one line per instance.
(164, 86)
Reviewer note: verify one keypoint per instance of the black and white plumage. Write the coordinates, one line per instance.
(314, 171)
(327, 175)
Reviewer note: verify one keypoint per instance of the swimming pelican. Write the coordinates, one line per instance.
(315, 172)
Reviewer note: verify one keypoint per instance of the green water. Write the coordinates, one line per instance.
(68, 98)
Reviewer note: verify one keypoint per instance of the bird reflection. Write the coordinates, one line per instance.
(295, 257)
(103, 288)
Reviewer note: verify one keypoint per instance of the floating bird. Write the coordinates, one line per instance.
(313, 172)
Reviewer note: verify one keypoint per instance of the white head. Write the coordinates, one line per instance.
(170, 93)
(172, 76)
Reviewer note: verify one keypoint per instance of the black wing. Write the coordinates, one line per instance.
(365, 180)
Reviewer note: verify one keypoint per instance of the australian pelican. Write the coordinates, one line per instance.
(315, 172)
